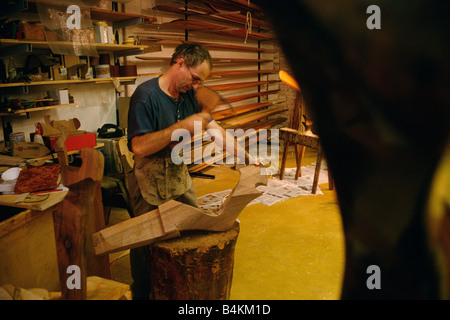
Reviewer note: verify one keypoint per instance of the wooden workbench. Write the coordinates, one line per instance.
(27, 242)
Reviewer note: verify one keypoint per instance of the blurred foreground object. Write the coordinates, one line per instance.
(380, 100)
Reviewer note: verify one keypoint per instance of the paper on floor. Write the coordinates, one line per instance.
(276, 190)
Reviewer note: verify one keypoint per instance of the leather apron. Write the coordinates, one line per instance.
(159, 179)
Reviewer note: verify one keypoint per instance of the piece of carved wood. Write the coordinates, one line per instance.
(81, 215)
(173, 217)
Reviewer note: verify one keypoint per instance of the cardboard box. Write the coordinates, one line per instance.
(61, 95)
(76, 141)
(29, 150)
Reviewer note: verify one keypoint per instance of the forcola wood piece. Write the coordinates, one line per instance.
(80, 215)
(172, 217)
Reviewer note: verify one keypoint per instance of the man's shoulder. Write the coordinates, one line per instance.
(146, 90)
(149, 85)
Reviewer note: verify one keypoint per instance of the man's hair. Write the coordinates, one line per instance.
(192, 53)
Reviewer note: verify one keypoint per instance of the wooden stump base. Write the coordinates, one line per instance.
(196, 266)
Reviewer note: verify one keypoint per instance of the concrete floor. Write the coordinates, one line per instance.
(291, 250)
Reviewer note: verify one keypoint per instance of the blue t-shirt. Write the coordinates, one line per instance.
(151, 109)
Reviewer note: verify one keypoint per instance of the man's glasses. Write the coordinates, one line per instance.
(195, 79)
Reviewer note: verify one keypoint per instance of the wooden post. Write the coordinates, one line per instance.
(80, 216)
(196, 266)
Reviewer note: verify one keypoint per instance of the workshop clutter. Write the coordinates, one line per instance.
(53, 98)
(53, 67)
(45, 136)
(61, 64)
(29, 150)
(77, 139)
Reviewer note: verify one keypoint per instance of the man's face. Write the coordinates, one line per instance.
(191, 77)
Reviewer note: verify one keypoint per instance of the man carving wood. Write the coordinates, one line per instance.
(158, 107)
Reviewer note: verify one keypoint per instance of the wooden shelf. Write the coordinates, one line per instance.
(99, 14)
(99, 46)
(25, 111)
(150, 39)
(49, 82)
(221, 60)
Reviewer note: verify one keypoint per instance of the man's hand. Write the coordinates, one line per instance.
(189, 122)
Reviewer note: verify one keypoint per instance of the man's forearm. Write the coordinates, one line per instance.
(152, 142)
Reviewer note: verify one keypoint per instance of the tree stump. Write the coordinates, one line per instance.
(196, 266)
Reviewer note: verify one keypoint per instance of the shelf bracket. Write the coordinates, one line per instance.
(16, 49)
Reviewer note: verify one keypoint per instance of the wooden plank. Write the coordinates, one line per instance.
(231, 5)
(307, 139)
(217, 60)
(251, 95)
(10, 161)
(38, 202)
(172, 217)
(192, 26)
(251, 117)
(81, 215)
(210, 45)
(227, 113)
(226, 16)
(240, 33)
(220, 73)
(240, 72)
(240, 85)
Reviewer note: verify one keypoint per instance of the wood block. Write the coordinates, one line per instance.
(196, 266)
